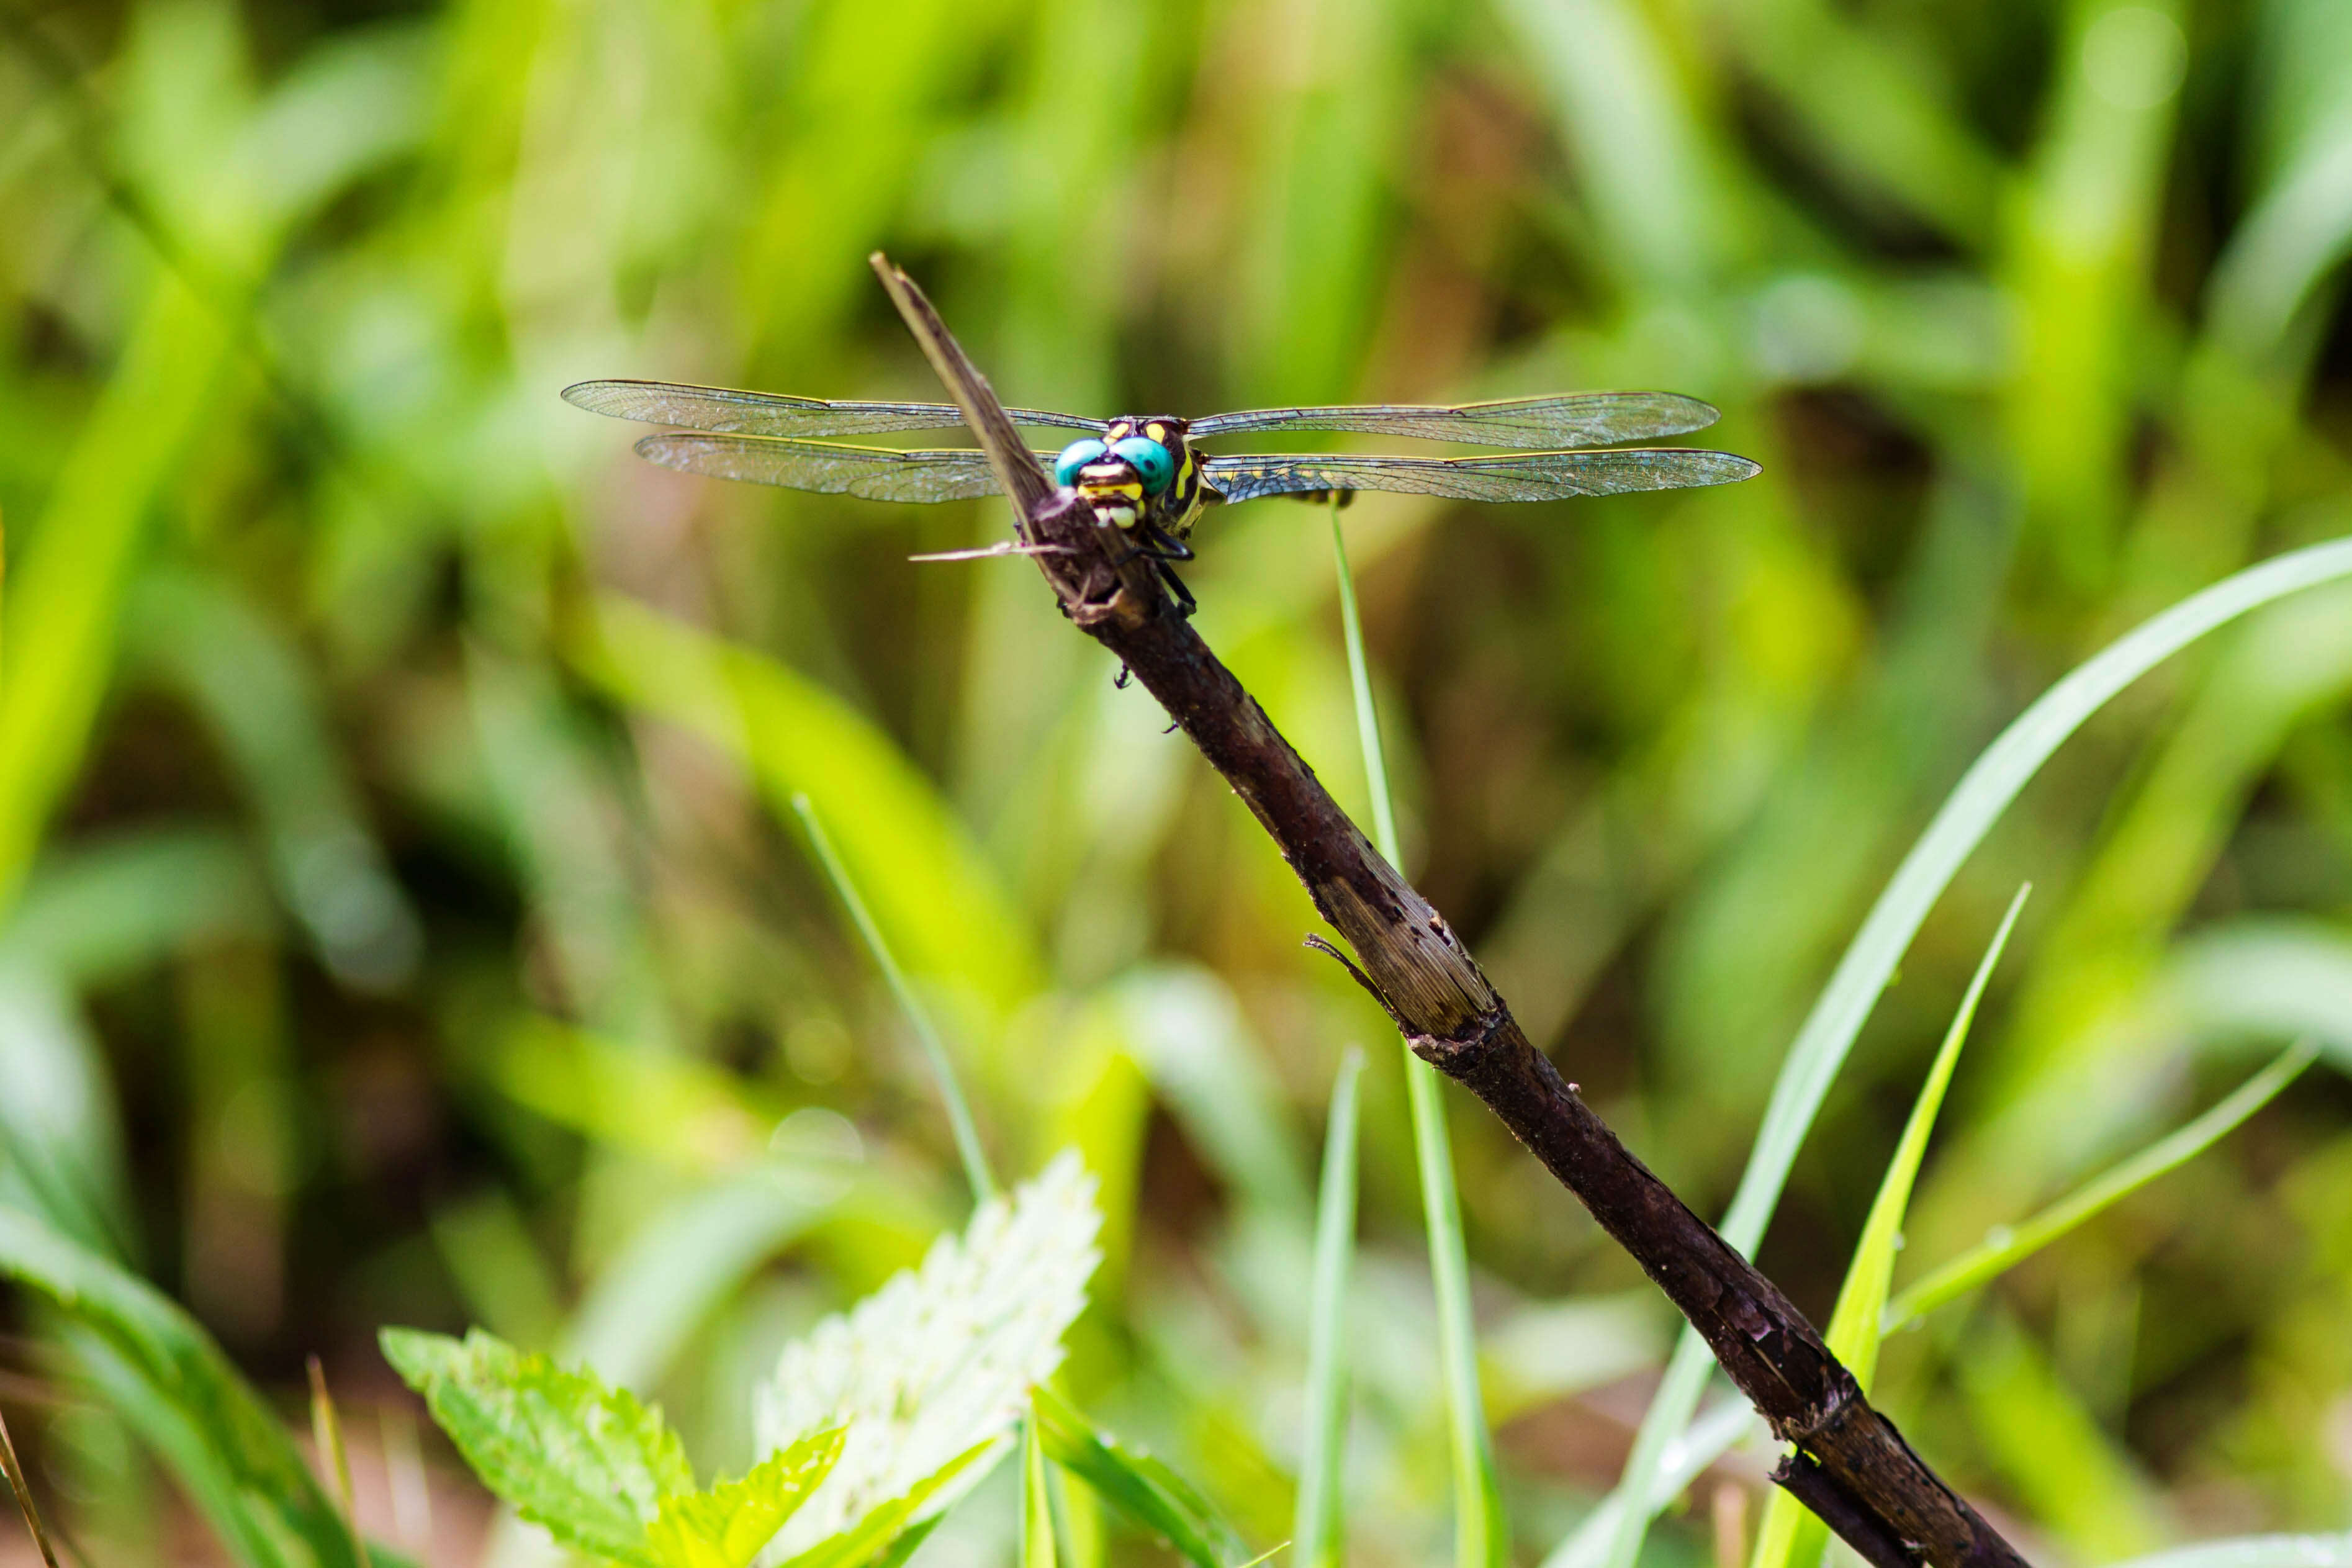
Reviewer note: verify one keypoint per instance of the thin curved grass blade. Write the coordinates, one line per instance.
(727, 410)
(1790, 1535)
(1322, 1460)
(1976, 803)
(1481, 1531)
(2008, 1245)
(976, 1171)
(1523, 476)
(1566, 420)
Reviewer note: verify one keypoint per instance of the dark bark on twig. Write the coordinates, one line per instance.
(1852, 1466)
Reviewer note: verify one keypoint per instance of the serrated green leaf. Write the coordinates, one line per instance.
(726, 1526)
(586, 1461)
(894, 1520)
(1141, 1487)
(939, 1361)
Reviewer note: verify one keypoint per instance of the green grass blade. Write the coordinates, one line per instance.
(935, 1050)
(1481, 1534)
(2010, 1245)
(173, 1384)
(1367, 719)
(1315, 1530)
(1976, 803)
(1037, 1503)
(1792, 1534)
(66, 593)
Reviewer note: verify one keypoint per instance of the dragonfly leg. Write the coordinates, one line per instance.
(1165, 545)
(1185, 602)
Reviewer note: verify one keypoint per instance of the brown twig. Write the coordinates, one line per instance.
(1851, 1466)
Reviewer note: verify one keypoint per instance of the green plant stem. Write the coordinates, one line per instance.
(1481, 1539)
(967, 1135)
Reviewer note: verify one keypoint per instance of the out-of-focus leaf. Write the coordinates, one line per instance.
(1656, 206)
(113, 906)
(1969, 812)
(2261, 978)
(171, 1383)
(2086, 1488)
(1191, 1035)
(678, 1108)
(2254, 1551)
(939, 1361)
(684, 1260)
(262, 702)
(1139, 1486)
(1792, 1534)
(67, 585)
(725, 1525)
(58, 1126)
(930, 891)
(2080, 262)
(583, 1459)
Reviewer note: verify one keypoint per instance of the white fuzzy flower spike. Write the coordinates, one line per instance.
(940, 1359)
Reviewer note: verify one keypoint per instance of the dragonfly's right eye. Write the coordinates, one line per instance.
(1077, 455)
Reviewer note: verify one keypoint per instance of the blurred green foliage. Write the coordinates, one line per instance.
(404, 918)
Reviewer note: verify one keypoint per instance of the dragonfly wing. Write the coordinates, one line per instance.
(1522, 476)
(870, 473)
(774, 414)
(1569, 419)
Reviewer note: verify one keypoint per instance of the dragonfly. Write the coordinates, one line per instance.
(1144, 474)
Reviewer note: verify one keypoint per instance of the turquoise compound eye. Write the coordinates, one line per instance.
(1152, 462)
(1077, 455)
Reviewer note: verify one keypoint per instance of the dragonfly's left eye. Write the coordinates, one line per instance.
(1077, 455)
(1154, 464)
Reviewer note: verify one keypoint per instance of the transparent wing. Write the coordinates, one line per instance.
(1522, 476)
(1568, 419)
(774, 414)
(871, 473)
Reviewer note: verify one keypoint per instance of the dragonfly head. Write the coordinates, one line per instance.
(1127, 472)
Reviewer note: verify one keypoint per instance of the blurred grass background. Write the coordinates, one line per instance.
(401, 918)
